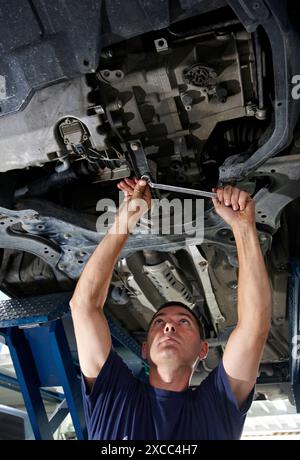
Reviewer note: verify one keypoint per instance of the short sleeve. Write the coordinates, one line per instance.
(108, 394)
(227, 417)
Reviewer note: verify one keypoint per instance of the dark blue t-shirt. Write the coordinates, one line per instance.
(120, 406)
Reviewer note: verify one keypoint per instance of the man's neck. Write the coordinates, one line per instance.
(171, 379)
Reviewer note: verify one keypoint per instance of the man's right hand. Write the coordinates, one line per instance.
(136, 203)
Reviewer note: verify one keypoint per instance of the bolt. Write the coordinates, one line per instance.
(282, 267)
(67, 236)
(99, 110)
(233, 285)
(61, 267)
(220, 319)
(222, 36)
(261, 114)
(224, 233)
(82, 253)
(135, 146)
(203, 264)
(115, 105)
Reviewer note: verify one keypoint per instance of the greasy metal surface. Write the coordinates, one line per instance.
(272, 16)
(163, 83)
(32, 135)
(45, 42)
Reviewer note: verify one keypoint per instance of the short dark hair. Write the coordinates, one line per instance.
(174, 303)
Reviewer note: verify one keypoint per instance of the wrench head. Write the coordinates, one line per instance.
(146, 178)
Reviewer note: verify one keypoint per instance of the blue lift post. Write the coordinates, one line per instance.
(294, 321)
(34, 332)
(41, 356)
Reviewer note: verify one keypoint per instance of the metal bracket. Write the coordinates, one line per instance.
(161, 45)
(284, 175)
(13, 239)
(201, 266)
(138, 158)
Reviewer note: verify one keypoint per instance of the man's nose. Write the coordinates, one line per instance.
(170, 327)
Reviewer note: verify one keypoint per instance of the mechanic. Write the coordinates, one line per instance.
(118, 405)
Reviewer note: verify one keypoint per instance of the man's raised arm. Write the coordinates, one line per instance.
(245, 345)
(91, 328)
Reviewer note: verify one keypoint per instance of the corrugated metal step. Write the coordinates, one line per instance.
(33, 310)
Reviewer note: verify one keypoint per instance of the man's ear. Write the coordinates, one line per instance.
(204, 350)
(144, 350)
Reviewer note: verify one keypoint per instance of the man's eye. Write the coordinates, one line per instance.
(158, 321)
(184, 321)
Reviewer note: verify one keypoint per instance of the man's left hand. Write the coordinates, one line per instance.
(235, 206)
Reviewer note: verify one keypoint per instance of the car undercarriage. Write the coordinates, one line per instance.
(194, 93)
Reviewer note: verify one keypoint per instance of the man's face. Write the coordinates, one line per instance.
(174, 335)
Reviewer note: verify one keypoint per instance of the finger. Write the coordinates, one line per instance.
(139, 189)
(214, 190)
(235, 198)
(216, 202)
(130, 182)
(219, 192)
(123, 186)
(227, 195)
(243, 198)
(120, 185)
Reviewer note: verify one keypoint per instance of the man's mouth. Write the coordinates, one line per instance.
(168, 339)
